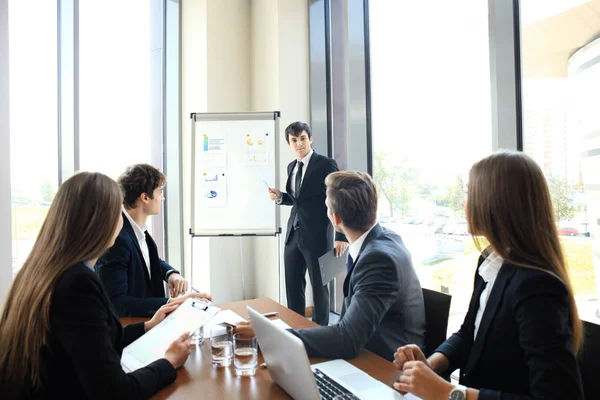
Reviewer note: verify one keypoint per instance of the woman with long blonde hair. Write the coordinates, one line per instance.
(521, 334)
(59, 336)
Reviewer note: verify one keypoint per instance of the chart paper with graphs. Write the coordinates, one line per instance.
(234, 159)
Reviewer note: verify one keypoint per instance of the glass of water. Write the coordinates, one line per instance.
(198, 337)
(221, 345)
(245, 354)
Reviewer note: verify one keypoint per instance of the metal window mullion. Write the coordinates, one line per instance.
(505, 74)
(68, 88)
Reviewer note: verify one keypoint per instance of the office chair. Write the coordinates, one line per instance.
(589, 362)
(437, 311)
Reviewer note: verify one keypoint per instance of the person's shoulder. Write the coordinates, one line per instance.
(76, 278)
(529, 281)
(388, 234)
(123, 238)
(389, 238)
(76, 270)
(122, 246)
(321, 158)
(384, 243)
(323, 163)
(388, 244)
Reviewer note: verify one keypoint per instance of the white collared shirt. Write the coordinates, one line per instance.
(304, 161)
(488, 271)
(354, 248)
(141, 238)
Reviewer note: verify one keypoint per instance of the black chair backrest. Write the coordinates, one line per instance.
(589, 361)
(437, 311)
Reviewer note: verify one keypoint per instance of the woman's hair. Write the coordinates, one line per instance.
(509, 204)
(79, 227)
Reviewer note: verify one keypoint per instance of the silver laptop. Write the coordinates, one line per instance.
(289, 367)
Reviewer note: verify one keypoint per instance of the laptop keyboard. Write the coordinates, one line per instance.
(328, 388)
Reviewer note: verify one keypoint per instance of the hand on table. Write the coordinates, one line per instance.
(410, 352)
(244, 327)
(192, 295)
(419, 379)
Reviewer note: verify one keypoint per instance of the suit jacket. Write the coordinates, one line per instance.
(314, 225)
(523, 345)
(123, 271)
(383, 304)
(82, 357)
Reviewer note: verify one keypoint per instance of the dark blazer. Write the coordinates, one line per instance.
(383, 304)
(523, 346)
(314, 225)
(82, 358)
(123, 271)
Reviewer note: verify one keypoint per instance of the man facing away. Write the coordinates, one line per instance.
(383, 301)
(309, 232)
(131, 270)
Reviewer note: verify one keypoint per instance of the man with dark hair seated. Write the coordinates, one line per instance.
(131, 270)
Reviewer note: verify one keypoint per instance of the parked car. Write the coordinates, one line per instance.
(456, 228)
(387, 220)
(567, 231)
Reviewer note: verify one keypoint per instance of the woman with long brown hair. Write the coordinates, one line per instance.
(59, 336)
(521, 334)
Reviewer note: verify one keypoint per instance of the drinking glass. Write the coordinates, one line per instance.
(221, 345)
(245, 354)
(198, 337)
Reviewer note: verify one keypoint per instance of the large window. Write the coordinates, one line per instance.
(86, 76)
(114, 87)
(560, 127)
(431, 119)
(33, 119)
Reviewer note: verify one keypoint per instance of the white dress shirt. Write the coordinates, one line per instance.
(488, 271)
(305, 161)
(354, 248)
(141, 238)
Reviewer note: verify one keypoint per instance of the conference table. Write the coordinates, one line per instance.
(199, 379)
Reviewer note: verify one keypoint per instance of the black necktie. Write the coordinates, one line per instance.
(298, 179)
(349, 262)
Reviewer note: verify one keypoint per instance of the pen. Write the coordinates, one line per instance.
(270, 314)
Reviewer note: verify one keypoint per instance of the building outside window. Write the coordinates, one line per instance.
(431, 114)
(560, 127)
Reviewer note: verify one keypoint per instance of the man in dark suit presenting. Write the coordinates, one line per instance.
(309, 231)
